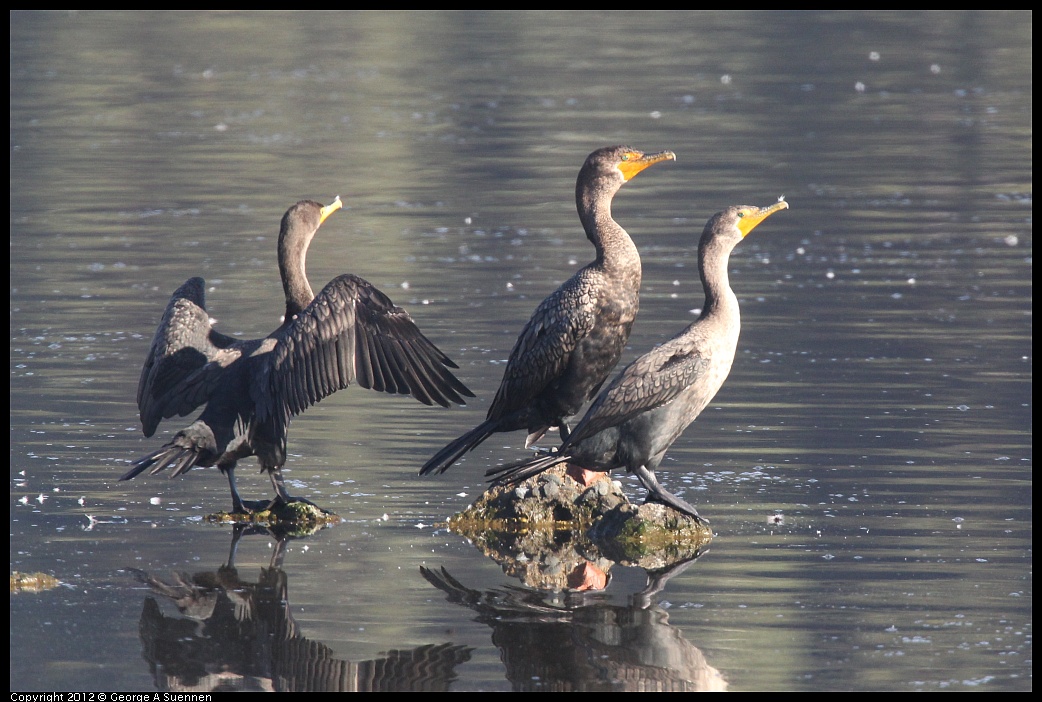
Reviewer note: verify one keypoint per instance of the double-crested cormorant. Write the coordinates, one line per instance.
(576, 335)
(350, 332)
(637, 418)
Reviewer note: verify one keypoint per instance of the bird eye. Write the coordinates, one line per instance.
(625, 157)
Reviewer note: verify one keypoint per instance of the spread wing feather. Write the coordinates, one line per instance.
(186, 360)
(351, 332)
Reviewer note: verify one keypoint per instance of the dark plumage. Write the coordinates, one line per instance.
(637, 418)
(576, 335)
(350, 332)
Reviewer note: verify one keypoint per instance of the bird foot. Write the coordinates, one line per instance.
(584, 477)
(674, 502)
(249, 508)
(283, 501)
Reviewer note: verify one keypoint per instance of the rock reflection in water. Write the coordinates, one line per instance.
(583, 643)
(237, 635)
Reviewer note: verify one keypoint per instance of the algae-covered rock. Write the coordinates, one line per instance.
(550, 530)
(32, 582)
(293, 520)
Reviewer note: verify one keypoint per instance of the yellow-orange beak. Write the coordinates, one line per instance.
(637, 161)
(330, 209)
(754, 215)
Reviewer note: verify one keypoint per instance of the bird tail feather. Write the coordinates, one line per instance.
(444, 459)
(513, 473)
(179, 457)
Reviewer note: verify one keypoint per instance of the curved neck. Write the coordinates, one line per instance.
(292, 254)
(712, 268)
(614, 247)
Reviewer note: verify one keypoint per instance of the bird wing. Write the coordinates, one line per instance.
(186, 356)
(543, 350)
(351, 332)
(651, 381)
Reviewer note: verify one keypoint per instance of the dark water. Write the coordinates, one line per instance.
(880, 400)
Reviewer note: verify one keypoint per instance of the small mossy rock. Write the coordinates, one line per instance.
(294, 520)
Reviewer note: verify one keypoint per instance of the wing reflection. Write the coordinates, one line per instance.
(234, 634)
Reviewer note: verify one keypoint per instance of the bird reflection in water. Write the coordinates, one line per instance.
(585, 643)
(238, 635)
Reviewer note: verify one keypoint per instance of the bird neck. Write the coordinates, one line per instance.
(615, 249)
(712, 268)
(292, 257)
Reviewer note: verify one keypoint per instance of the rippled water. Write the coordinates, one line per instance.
(867, 466)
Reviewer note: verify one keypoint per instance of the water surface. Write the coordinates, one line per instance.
(867, 466)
